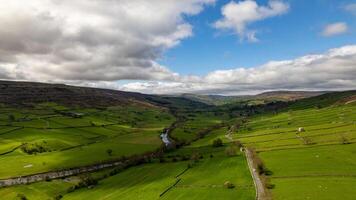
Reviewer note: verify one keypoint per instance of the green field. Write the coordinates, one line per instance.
(319, 163)
(75, 141)
(195, 123)
(204, 180)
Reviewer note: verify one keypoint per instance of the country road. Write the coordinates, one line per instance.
(260, 189)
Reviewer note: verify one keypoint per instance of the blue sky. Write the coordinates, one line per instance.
(288, 36)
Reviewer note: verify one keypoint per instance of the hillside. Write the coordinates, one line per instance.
(31, 93)
(77, 142)
(26, 93)
(252, 99)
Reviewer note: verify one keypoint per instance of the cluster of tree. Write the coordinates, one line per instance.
(21, 197)
(85, 181)
(259, 165)
(33, 148)
(218, 143)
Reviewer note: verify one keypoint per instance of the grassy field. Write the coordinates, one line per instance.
(37, 191)
(67, 141)
(205, 180)
(319, 163)
(195, 123)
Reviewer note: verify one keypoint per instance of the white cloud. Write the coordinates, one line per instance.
(335, 29)
(237, 16)
(96, 43)
(335, 69)
(351, 8)
(52, 40)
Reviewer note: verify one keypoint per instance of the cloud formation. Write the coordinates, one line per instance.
(335, 29)
(237, 16)
(96, 43)
(335, 69)
(351, 8)
(91, 40)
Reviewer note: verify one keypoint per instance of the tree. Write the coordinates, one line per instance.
(109, 152)
(11, 118)
(217, 143)
(229, 185)
(85, 181)
(21, 197)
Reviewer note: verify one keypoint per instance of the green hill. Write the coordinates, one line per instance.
(304, 148)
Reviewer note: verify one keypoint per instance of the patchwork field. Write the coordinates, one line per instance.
(304, 150)
(204, 179)
(317, 163)
(195, 123)
(51, 137)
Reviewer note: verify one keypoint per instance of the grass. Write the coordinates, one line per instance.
(72, 142)
(328, 188)
(199, 183)
(196, 123)
(149, 181)
(37, 191)
(319, 163)
(141, 182)
(315, 164)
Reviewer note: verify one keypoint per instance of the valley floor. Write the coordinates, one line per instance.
(302, 153)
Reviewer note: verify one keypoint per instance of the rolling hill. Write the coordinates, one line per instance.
(259, 98)
(66, 142)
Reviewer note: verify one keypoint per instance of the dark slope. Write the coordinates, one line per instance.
(28, 93)
(324, 100)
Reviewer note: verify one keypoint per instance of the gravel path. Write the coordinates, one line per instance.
(260, 189)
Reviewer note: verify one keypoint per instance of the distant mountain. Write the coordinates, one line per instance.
(288, 95)
(253, 99)
(28, 93)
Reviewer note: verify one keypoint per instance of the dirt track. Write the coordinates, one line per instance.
(260, 189)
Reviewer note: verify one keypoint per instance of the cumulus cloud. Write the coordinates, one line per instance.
(91, 40)
(96, 43)
(237, 16)
(335, 69)
(335, 29)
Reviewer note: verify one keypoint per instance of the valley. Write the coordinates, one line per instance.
(116, 151)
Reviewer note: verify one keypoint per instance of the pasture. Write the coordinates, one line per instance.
(51, 137)
(319, 163)
(204, 180)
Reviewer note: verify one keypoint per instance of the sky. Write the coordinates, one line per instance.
(226, 47)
